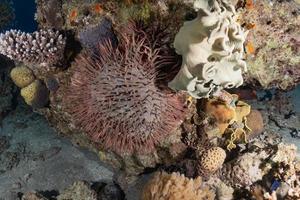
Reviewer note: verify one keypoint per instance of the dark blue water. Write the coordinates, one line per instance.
(24, 15)
(24, 11)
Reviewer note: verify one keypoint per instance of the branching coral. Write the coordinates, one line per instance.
(40, 47)
(175, 187)
(212, 50)
(118, 98)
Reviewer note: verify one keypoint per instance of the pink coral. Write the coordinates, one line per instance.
(118, 97)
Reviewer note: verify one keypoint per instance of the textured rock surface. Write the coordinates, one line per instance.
(78, 191)
(274, 44)
(37, 158)
(7, 88)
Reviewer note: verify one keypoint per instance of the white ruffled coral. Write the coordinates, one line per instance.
(212, 50)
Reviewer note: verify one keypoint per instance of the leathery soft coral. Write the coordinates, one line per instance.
(175, 187)
(117, 98)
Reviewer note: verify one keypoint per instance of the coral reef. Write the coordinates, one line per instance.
(211, 160)
(22, 76)
(35, 94)
(79, 190)
(212, 50)
(91, 36)
(33, 196)
(49, 14)
(174, 187)
(120, 92)
(275, 61)
(40, 47)
(245, 170)
(223, 113)
(255, 123)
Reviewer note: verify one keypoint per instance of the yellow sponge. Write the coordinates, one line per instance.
(36, 94)
(22, 76)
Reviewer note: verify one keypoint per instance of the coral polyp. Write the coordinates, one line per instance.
(117, 97)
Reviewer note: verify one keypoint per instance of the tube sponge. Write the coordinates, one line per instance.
(22, 76)
(175, 187)
(36, 94)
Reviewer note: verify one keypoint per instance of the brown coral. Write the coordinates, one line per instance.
(221, 111)
(118, 98)
(175, 187)
(211, 160)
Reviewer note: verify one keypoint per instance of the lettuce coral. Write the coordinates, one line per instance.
(175, 187)
(212, 50)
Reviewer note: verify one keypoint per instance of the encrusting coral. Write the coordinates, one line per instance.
(211, 160)
(212, 50)
(22, 76)
(175, 187)
(117, 98)
(275, 62)
(40, 47)
(245, 170)
(35, 94)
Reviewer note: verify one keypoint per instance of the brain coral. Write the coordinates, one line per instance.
(22, 76)
(35, 94)
(117, 97)
(211, 160)
(175, 187)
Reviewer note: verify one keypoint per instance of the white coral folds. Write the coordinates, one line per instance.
(212, 50)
